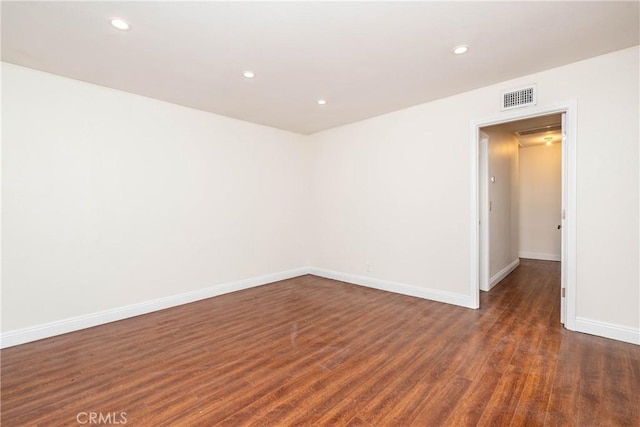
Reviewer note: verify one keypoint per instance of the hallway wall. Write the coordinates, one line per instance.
(540, 188)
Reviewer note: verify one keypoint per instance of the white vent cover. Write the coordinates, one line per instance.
(519, 98)
(535, 131)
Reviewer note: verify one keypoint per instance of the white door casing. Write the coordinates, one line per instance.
(568, 249)
(483, 178)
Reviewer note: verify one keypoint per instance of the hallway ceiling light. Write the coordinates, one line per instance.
(249, 74)
(460, 49)
(120, 24)
(322, 101)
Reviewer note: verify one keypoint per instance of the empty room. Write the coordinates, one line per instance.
(320, 213)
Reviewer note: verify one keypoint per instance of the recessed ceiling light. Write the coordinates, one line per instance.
(249, 74)
(548, 139)
(322, 101)
(120, 24)
(459, 50)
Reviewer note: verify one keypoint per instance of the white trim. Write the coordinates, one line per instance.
(483, 211)
(608, 330)
(563, 233)
(502, 274)
(569, 223)
(398, 288)
(34, 333)
(47, 330)
(540, 256)
(474, 226)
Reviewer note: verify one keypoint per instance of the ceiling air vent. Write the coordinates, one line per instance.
(535, 131)
(519, 98)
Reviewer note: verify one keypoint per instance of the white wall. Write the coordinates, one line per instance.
(394, 190)
(112, 199)
(503, 195)
(540, 201)
(389, 192)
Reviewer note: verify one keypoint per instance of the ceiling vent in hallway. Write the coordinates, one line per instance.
(543, 129)
(519, 98)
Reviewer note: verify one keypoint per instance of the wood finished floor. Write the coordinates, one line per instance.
(312, 351)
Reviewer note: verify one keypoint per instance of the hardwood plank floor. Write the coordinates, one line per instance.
(313, 351)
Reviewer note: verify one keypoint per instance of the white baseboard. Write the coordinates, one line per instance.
(502, 274)
(608, 330)
(21, 336)
(399, 288)
(34, 333)
(540, 256)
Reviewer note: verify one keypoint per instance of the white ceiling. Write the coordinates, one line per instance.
(364, 58)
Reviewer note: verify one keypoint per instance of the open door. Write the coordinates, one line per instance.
(563, 234)
(483, 180)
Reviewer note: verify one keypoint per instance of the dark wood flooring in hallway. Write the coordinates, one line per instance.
(313, 351)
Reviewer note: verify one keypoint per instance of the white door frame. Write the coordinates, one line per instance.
(483, 209)
(568, 202)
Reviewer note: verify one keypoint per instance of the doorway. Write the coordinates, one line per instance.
(492, 262)
(520, 179)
